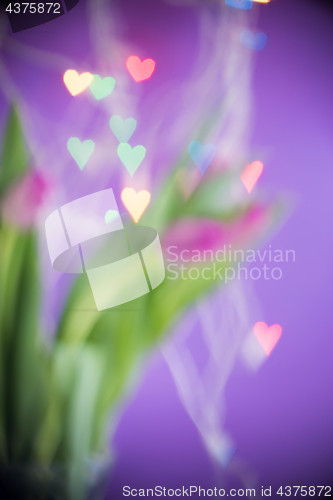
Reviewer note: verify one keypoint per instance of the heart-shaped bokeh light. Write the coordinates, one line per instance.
(76, 83)
(251, 174)
(136, 203)
(267, 336)
(140, 70)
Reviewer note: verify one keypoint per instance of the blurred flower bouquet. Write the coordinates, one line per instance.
(58, 402)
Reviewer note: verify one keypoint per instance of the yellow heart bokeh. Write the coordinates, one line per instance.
(136, 203)
(77, 83)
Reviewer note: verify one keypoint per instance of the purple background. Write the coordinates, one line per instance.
(280, 418)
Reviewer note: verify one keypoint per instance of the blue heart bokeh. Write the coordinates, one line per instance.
(256, 42)
(201, 155)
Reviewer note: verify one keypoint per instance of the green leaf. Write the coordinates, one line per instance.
(24, 362)
(88, 376)
(80, 313)
(51, 441)
(11, 257)
(14, 154)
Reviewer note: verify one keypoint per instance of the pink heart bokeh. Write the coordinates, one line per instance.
(267, 336)
(251, 174)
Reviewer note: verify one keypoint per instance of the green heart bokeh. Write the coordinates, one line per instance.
(80, 151)
(102, 87)
(131, 157)
(122, 129)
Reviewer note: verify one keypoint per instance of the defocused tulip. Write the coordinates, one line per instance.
(207, 234)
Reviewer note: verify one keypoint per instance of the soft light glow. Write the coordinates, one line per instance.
(136, 203)
(140, 70)
(76, 83)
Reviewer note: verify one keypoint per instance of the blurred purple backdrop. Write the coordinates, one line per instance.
(281, 417)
